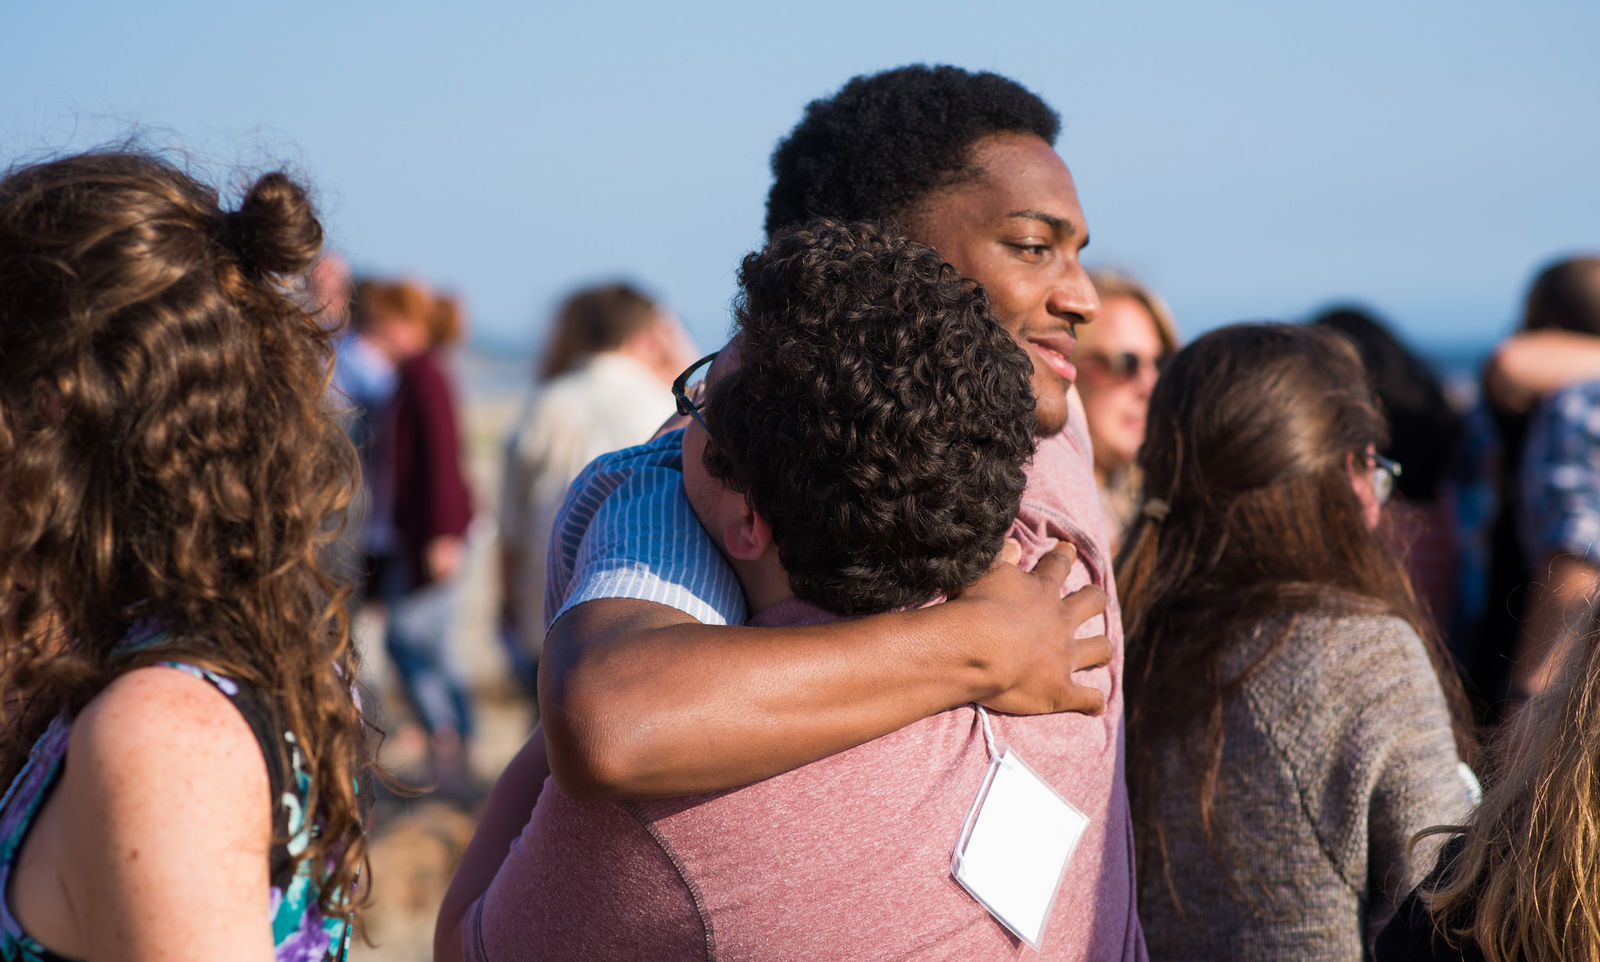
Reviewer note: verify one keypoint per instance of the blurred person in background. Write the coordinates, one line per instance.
(1119, 357)
(1292, 718)
(611, 354)
(1419, 521)
(327, 297)
(387, 329)
(422, 493)
(1557, 344)
(1558, 514)
(330, 290)
(1538, 577)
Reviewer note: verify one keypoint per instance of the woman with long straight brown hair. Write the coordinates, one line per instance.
(179, 732)
(1290, 711)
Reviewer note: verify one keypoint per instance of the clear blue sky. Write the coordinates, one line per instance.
(1251, 160)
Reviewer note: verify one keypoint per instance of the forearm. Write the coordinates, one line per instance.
(502, 820)
(1530, 365)
(676, 707)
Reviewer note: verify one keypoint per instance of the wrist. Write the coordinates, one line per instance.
(974, 659)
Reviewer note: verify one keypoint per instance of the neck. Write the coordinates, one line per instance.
(765, 583)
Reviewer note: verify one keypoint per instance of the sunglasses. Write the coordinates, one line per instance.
(1385, 473)
(691, 398)
(1126, 365)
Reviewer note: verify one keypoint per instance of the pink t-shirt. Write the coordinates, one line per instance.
(1061, 503)
(848, 857)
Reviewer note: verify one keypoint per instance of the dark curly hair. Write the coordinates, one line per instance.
(169, 454)
(880, 145)
(880, 418)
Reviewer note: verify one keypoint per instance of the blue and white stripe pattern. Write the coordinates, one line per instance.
(626, 530)
(1561, 476)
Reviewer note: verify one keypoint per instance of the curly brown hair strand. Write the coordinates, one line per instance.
(170, 454)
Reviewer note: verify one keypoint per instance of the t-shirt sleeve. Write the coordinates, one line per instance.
(1560, 482)
(627, 530)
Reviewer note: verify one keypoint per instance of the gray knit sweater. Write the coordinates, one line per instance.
(1338, 750)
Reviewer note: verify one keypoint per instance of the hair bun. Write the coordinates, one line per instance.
(275, 230)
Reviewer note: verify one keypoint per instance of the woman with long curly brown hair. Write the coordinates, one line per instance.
(1291, 716)
(1516, 883)
(179, 731)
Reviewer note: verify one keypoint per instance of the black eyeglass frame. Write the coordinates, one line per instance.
(690, 407)
(1390, 471)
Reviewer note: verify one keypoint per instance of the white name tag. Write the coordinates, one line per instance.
(1015, 845)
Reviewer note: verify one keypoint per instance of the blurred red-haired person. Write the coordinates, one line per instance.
(423, 494)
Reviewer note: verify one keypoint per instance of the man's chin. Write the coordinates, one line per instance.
(1049, 421)
(1051, 407)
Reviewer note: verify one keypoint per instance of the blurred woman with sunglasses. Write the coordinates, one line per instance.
(1292, 719)
(1118, 358)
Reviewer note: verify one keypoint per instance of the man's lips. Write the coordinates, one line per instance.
(1054, 351)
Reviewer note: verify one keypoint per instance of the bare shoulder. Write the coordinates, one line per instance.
(168, 721)
(162, 822)
(165, 754)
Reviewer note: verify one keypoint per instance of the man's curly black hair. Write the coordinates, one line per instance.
(879, 420)
(874, 150)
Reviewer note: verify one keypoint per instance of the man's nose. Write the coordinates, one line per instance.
(1074, 294)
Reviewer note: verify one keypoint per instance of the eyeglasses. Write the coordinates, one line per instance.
(1384, 475)
(692, 399)
(1126, 365)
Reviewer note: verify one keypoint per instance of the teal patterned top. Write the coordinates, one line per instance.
(300, 932)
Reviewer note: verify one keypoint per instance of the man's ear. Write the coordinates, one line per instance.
(747, 536)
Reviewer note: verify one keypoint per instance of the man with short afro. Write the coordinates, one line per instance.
(963, 161)
(877, 148)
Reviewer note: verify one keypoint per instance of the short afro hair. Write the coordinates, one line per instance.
(880, 418)
(874, 150)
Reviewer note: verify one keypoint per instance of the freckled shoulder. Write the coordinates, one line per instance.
(170, 820)
(171, 722)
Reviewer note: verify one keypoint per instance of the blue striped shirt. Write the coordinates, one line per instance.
(1560, 509)
(626, 530)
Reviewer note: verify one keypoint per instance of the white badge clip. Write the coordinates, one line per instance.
(1015, 844)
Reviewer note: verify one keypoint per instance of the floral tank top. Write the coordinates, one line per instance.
(300, 932)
